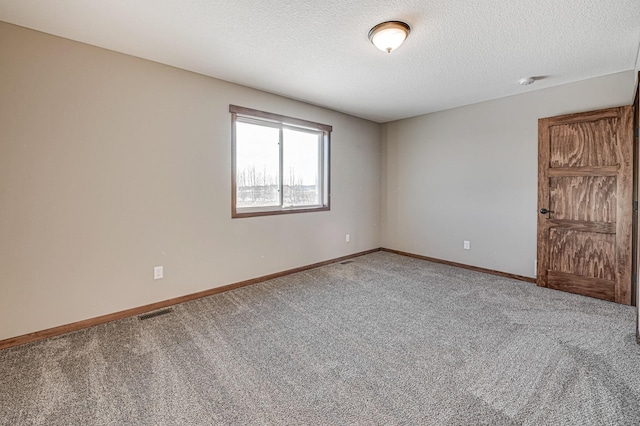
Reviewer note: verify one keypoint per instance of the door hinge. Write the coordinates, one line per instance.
(635, 206)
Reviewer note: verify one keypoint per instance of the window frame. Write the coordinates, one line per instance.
(282, 122)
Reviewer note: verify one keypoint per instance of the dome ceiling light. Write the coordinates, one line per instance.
(525, 81)
(389, 35)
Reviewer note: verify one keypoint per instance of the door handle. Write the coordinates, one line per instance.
(545, 211)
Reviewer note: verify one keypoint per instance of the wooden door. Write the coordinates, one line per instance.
(585, 203)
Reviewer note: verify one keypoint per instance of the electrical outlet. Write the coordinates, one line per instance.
(467, 245)
(347, 238)
(158, 272)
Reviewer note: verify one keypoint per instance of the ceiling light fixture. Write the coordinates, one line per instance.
(526, 81)
(389, 35)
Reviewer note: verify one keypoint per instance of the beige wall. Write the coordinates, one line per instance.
(111, 165)
(470, 173)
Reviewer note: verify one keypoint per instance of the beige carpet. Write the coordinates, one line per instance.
(383, 340)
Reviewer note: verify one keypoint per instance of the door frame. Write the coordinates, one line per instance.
(635, 297)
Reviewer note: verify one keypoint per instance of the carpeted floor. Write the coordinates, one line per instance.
(383, 340)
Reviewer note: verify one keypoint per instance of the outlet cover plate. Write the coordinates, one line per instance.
(158, 272)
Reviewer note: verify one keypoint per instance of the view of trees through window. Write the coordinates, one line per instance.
(263, 169)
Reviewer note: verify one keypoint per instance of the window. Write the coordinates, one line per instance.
(279, 164)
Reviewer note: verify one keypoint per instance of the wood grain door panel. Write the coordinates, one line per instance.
(585, 181)
(586, 254)
(584, 144)
(584, 198)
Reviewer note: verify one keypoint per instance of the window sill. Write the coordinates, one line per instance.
(257, 212)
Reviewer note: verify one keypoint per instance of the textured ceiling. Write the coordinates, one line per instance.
(459, 51)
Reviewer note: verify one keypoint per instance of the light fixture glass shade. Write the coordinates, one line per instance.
(525, 81)
(387, 36)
